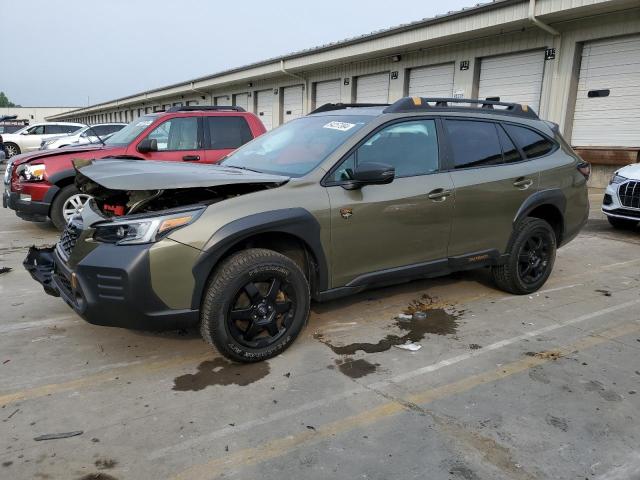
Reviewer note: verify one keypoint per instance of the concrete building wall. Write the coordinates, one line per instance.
(34, 114)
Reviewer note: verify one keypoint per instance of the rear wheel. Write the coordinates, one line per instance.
(11, 149)
(68, 202)
(532, 253)
(622, 223)
(255, 305)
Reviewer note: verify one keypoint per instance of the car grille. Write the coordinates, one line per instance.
(629, 194)
(69, 237)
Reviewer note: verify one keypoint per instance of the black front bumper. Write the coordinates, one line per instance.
(32, 211)
(111, 286)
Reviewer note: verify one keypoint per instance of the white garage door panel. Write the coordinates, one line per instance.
(373, 88)
(610, 121)
(222, 100)
(434, 81)
(514, 78)
(264, 103)
(327, 92)
(291, 103)
(241, 100)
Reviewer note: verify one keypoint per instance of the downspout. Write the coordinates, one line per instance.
(200, 91)
(533, 19)
(299, 77)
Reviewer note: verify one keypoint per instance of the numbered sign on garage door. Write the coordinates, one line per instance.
(241, 100)
(516, 77)
(327, 92)
(373, 88)
(433, 81)
(608, 97)
(264, 107)
(291, 103)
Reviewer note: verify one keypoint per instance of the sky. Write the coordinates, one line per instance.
(72, 52)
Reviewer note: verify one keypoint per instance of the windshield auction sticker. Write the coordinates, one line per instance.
(342, 126)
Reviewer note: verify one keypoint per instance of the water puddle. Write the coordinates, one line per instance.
(221, 372)
(439, 320)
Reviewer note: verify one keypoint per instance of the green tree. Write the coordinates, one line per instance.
(4, 101)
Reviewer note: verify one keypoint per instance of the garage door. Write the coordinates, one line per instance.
(241, 100)
(514, 78)
(327, 92)
(291, 103)
(264, 107)
(608, 97)
(373, 88)
(222, 100)
(433, 81)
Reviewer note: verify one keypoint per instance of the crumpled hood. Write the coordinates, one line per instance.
(128, 175)
(29, 156)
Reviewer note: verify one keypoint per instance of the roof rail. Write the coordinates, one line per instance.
(421, 104)
(211, 108)
(328, 107)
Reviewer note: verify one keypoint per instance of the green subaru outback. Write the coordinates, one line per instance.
(346, 198)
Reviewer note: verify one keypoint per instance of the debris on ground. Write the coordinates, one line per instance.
(56, 436)
(412, 347)
(404, 316)
(475, 346)
(14, 412)
(419, 315)
(5, 270)
(6, 361)
(550, 355)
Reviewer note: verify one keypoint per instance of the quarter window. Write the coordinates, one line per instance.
(473, 143)
(176, 134)
(509, 150)
(227, 132)
(532, 144)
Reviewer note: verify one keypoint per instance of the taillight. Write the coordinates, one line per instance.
(585, 169)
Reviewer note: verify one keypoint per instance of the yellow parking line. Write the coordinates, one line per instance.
(281, 446)
(99, 378)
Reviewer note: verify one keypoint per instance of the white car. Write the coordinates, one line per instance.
(88, 134)
(621, 202)
(29, 138)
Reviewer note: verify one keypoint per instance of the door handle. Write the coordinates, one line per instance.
(439, 194)
(191, 158)
(523, 183)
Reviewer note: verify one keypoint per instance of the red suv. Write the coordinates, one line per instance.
(41, 184)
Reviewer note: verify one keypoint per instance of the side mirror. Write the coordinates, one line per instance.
(148, 145)
(371, 174)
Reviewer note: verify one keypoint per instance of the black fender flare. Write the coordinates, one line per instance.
(553, 196)
(293, 221)
(62, 175)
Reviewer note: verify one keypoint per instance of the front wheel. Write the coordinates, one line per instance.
(68, 202)
(255, 305)
(622, 223)
(532, 253)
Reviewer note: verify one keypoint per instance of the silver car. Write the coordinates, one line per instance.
(88, 134)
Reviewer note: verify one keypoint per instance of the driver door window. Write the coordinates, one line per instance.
(177, 134)
(410, 147)
(38, 130)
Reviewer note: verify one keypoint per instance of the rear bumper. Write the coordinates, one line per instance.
(108, 287)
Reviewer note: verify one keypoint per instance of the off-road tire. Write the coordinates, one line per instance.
(11, 149)
(229, 278)
(507, 276)
(622, 223)
(56, 212)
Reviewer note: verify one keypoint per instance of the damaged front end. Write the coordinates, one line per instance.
(40, 263)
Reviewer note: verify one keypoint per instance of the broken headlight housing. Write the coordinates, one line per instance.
(31, 173)
(147, 229)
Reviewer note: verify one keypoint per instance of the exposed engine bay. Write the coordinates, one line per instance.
(163, 185)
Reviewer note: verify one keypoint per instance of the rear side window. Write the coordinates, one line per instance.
(473, 143)
(532, 143)
(509, 150)
(227, 132)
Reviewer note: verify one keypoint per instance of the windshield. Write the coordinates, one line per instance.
(297, 147)
(130, 132)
